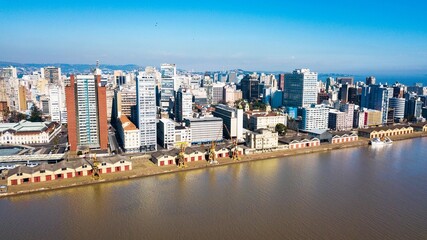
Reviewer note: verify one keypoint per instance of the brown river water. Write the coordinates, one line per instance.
(357, 193)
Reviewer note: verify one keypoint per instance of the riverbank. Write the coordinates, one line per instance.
(143, 167)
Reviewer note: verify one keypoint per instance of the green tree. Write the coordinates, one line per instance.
(16, 117)
(281, 128)
(36, 114)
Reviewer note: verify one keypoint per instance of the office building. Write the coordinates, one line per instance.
(168, 84)
(250, 87)
(232, 119)
(183, 105)
(205, 129)
(300, 88)
(398, 104)
(146, 111)
(52, 74)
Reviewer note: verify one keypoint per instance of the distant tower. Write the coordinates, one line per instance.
(370, 80)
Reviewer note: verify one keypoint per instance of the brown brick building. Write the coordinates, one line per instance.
(87, 112)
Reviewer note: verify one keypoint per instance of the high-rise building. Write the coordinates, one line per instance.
(281, 82)
(370, 80)
(376, 97)
(87, 112)
(300, 88)
(336, 120)
(398, 104)
(344, 93)
(168, 84)
(329, 83)
(52, 74)
(146, 110)
(348, 109)
(315, 117)
(183, 105)
(232, 119)
(232, 77)
(55, 103)
(345, 80)
(217, 92)
(250, 87)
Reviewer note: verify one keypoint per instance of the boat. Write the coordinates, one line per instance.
(381, 142)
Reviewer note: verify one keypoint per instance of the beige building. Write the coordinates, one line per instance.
(343, 137)
(254, 120)
(63, 170)
(300, 142)
(262, 139)
(26, 132)
(231, 95)
(380, 132)
(129, 134)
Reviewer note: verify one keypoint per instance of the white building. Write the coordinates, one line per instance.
(166, 133)
(262, 139)
(26, 132)
(146, 111)
(129, 134)
(315, 117)
(183, 105)
(300, 88)
(55, 103)
(205, 129)
(232, 119)
(256, 120)
(183, 134)
(337, 120)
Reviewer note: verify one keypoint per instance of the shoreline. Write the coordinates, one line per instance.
(145, 169)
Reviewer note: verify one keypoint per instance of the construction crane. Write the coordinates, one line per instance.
(234, 151)
(181, 155)
(96, 175)
(212, 151)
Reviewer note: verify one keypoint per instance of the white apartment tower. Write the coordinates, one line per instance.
(55, 103)
(146, 110)
(315, 117)
(183, 105)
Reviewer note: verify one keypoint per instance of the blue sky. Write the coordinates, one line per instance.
(326, 36)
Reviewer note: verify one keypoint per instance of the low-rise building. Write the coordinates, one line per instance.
(298, 142)
(388, 131)
(129, 134)
(26, 132)
(62, 170)
(343, 137)
(420, 127)
(262, 139)
(205, 129)
(254, 120)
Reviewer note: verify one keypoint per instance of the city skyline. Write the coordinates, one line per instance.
(326, 37)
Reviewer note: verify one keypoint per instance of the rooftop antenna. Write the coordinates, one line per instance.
(97, 63)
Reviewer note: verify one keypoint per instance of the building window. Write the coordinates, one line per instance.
(63, 169)
(42, 171)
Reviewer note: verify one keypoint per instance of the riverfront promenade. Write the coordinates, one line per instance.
(143, 167)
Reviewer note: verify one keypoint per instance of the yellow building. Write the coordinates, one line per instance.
(380, 132)
(22, 98)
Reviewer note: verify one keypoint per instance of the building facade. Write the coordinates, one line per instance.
(146, 111)
(232, 119)
(300, 88)
(87, 112)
